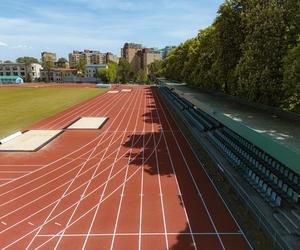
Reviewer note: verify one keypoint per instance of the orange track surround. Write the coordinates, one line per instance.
(133, 184)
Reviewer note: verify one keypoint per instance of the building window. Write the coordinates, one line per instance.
(15, 73)
(8, 73)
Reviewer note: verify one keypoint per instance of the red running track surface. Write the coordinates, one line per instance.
(133, 184)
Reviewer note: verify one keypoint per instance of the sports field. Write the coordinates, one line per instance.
(23, 106)
(135, 183)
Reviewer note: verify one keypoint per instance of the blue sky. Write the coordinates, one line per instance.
(28, 27)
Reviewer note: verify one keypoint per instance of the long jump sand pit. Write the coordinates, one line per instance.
(126, 90)
(88, 123)
(31, 140)
(113, 92)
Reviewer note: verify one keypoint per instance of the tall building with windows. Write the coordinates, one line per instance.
(22, 70)
(90, 57)
(138, 57)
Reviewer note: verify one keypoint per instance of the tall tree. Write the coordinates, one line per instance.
(27, 59)
(124, 72)
(291, 79)
(81, 68)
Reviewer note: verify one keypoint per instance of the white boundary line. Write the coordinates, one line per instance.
(136, 234)
(66, 191)
(111, 170)
(175, 176)
(142, 179)
(215, 188)
(63, 157)
(193, 179)
(103, 191)
(159, 184)
(125, 177)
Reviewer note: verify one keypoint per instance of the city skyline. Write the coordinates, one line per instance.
(29, 27)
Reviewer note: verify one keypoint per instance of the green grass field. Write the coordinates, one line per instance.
(22, 107)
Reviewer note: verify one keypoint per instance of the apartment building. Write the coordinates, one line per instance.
(93, 68)
(91, 57)
(148, 56)
(110, 57)
(57, 74)
(21, 69)
(139, 57)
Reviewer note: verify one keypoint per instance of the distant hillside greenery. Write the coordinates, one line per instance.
(252, 50)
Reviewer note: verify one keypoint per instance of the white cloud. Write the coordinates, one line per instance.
(22, 47)
(2, 44)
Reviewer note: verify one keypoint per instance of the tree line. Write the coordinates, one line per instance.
(252, 50)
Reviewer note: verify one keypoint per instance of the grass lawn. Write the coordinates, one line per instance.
(22, 107)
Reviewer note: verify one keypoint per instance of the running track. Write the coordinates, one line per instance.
(134, 184)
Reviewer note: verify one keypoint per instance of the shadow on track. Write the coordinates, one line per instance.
(143, 152)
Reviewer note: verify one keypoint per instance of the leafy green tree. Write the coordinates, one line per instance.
(47, 67)
(124, 71)
(27, 59)
(102, 73)
(141, 76)
(81, 68)
(112, 72)
(291, 79)
(260, 67)
(28, 78)
(154, 69)
(229, 37)
(8, 61)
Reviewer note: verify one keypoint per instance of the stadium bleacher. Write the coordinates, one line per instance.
(276, 184)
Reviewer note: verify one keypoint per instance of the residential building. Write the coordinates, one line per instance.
(139, 57)
(166, 51)
(88, 56)
(22, 70)
(91, 57)
(60, 64)
(48, 57)
(148, 57)
(57, 74)
(132, 53)
(93, 68)
(110, 57)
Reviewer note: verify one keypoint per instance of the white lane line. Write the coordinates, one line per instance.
(13, 172)
(59, 159)
(57, 224)
(194, 182)
(137, 234)
(4, 223)
(30, 223)
(176, 180)
(13, 189)
(97, 211)
(160, 186)
(66, 191)
(89, 104)
(133, 135)
(142, 181)
(132, 175)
